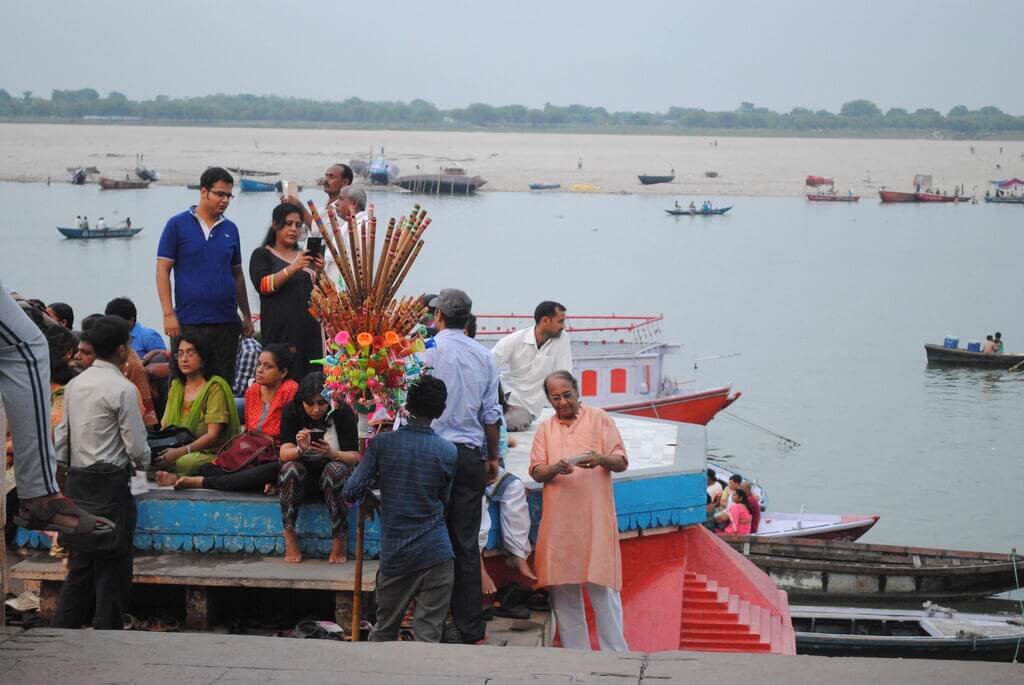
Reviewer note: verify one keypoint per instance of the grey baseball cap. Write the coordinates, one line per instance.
(452, 301)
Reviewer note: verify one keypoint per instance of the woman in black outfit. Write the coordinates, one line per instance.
(284, 276)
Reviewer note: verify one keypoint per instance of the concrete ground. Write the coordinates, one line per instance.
(83, 657)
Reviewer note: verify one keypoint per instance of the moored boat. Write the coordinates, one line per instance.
(1005, 199)
(834, 570)
(888, 196)
(698, 212)
(954, 356)
(939, 197)
(251, 172)
(932, 633)
(781, 525)
(825, 197)
(441, 184)
(652, 180)
(94, 233)
(381, 172)
(250, 186)
(118, 184)
(545, 186)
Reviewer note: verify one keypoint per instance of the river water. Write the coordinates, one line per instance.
(826, 306)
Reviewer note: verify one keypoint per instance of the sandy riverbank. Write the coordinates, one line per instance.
(510, 161)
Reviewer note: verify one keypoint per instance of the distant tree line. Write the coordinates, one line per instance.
(865, 115)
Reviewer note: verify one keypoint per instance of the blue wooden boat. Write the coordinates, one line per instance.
(545, 186)
(698, 212)
(251, 186)
(95, 233)
(648, 180)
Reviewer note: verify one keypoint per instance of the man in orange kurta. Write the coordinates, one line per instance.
(574, 454)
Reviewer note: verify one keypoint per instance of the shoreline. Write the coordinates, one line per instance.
(510, 161)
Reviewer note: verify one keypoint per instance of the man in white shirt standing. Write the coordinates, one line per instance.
(528, 356)
(99, 437)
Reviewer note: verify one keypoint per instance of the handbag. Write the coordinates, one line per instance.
(102, 490)
(167, 438)
(250, 448)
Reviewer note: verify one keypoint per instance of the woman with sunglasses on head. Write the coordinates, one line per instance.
(199, 402)
(265, 402)
(284, 276)
(319, 449)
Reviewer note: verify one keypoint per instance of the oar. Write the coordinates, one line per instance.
(1016, 367)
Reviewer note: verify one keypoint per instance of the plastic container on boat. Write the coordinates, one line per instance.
(974, 346)
(951, 342)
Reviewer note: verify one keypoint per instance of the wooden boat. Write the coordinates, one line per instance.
(828, 569)
(78, 176)
(936, 197)
(780, 525)
(250, 186)
(651, 180)
(698, 212)
(955, 356)
(381, 172)
(545, 186)
(711, 174)
(118, 184)
(930, 633)
(252, 172)
(97, 233)
(440, 184)
(1005, 199)
(888, 196)
(825, 197)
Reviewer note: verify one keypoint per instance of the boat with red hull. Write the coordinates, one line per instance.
(619, 361)
(895, 196)
(936, 197)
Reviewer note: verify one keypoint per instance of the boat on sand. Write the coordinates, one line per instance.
(652, 180)
(118, 184)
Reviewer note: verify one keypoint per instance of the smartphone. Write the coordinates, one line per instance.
(316, 436)
(289, 188)
(315, 245)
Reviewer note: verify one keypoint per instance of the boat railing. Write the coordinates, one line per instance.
(639, 331)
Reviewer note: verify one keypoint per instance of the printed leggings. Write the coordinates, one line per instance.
(306, 479)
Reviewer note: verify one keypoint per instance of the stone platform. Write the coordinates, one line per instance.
(87, 657)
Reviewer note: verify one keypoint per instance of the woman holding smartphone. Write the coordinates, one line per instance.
(284, 276)
(319, 449)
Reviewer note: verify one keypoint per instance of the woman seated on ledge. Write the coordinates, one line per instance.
(265, 401)
(318, 451)
(199, 402)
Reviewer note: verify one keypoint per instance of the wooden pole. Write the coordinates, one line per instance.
(3, 513)
(357, 581)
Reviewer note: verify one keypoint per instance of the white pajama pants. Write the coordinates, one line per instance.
(515, 519)
(571, 617)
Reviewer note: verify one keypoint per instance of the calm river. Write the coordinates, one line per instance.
(826, 306)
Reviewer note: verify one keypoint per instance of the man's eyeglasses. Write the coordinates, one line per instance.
(221, 194)
(564, 397)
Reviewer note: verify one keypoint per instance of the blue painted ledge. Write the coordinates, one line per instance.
(221, 522)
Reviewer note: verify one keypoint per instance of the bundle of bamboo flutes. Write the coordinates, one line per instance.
(367, 302)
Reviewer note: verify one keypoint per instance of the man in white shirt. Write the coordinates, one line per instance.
(100, 437)
(528, 356)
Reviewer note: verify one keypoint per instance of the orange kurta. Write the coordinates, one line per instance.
(578, 540)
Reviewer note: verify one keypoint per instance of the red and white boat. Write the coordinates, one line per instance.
(619, 363)
(894, 196)
(830, 195)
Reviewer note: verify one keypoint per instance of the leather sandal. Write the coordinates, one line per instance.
(42, 515)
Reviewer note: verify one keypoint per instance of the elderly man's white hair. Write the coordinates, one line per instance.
(356, 194)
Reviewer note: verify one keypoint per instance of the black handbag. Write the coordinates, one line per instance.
(167, 438)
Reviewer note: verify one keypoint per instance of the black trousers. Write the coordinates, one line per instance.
(463, 518)
(223, 338)
(252, 479)
(98, 585)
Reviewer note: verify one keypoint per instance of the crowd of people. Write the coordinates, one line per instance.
(249, 414)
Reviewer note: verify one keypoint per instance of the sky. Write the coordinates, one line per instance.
(646, 55)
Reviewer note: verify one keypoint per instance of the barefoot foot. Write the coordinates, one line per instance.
(522, 566)
(486, 582)
(165, 478)
(338, 555)
(292, 554)
(188, 482)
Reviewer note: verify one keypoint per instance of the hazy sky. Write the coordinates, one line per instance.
(638, 55)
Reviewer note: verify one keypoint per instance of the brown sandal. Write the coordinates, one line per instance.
(41, 517)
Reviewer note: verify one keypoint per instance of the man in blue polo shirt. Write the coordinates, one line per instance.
(143, 340)
(204, 251)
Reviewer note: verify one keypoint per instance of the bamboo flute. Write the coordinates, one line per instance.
(407, 257)
(382, 268)
(408, 265)
(323, 232)
(364, 271)
(355, 254)
(373, 250)
(343, 267)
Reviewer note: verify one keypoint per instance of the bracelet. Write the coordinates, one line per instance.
(188, 449)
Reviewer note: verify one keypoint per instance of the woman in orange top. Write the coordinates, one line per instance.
(574, 454)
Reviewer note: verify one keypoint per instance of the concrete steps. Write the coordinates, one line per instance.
(717, 620)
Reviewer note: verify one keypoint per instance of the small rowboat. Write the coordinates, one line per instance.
(250, 186)
(251, 172)
(930, 633)
(651, 180)
(96, 233)
(118, 184)
(545, 186)
(698, 212)
(815, 197)
(954, 356)
(827, 570)
(1006, 199)
(440, 184)
(778, 525)
(888, 196)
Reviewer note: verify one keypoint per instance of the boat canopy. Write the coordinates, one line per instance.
(922, 180)
(815, 181)
(1008, 183)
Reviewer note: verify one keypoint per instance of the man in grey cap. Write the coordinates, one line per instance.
(470, 420)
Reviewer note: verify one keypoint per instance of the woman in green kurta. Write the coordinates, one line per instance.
(199, 402)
